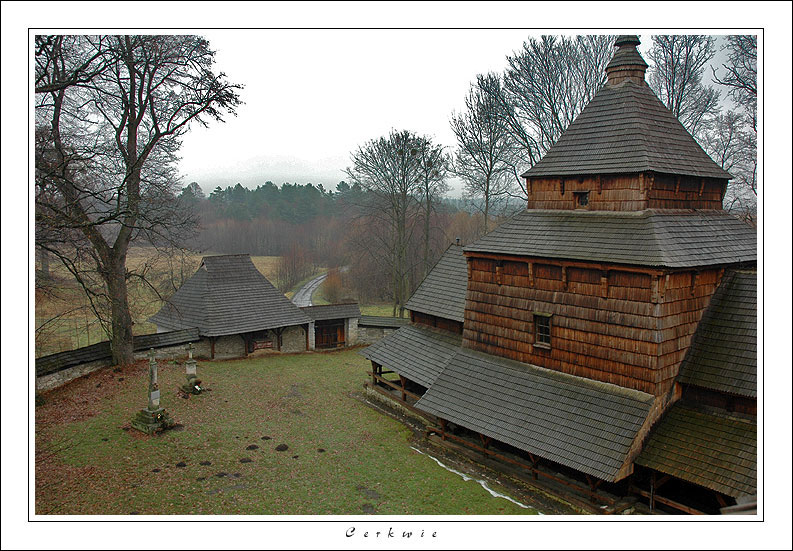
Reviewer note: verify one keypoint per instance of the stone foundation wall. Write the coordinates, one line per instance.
(227, 347)
(60, 378)
(293, 339)
(351, 331)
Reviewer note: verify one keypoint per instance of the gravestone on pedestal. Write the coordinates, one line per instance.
(154, 417)
(193, 384)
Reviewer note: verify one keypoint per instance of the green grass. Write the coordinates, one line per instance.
(88, 464)
(377, 310)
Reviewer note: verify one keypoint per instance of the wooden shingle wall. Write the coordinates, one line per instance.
(614, 326)
(625, 192)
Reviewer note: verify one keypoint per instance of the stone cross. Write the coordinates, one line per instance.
(154, 388)
(190, 364)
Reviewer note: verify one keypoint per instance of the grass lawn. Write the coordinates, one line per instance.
(343, 457)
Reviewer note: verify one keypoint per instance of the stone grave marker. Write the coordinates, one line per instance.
(154, 417)
(193, 384)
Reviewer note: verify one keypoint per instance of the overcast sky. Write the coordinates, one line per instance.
(313, 96)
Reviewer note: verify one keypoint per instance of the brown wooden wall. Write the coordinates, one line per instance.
(435, 321)
(626, 192)
(622, 327)
(705, 397)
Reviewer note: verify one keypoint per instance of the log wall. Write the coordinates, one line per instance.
(435, 321)
(612, 325)
(626, 192)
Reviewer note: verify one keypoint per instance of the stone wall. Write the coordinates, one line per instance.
(227, 347)
(293, 339)
(351, 331)
(60, 378)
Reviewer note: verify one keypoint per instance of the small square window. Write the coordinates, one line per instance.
(542, 330)
(581, 198)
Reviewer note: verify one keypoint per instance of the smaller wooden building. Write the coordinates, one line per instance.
(334, 325)
(236, 310)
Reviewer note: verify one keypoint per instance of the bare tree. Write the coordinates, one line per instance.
(484, 145)
(433, 168)
(546, 85)
(110, 112)
(740, 76)
(388, 170)
(677, 63)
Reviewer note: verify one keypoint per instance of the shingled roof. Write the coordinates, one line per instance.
(723, 352)
(659, 238)
(332, 311)
(418, 353)
(583, 424)
(711, 450)
(227, 295)
(442, 293)
(626, 129)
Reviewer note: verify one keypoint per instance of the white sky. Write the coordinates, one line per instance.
(313, 96)
(302, 87)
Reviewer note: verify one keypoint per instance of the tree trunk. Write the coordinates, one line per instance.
(121, 320)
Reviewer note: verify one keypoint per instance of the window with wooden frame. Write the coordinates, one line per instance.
(542, 329)
(581, 199)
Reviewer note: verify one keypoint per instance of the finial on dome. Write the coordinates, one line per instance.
(627, 63)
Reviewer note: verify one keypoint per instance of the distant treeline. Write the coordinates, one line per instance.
(310, 226)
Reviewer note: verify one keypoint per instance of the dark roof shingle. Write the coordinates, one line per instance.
(658, 238)
(442, 293)
(711, 450)
(723, 352)
(382, 321)
(625, 129)
(418, 353)
(228, 295)
(332, 311)
(583, 424)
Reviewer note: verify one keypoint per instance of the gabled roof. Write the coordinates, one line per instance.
(442, 293)
(723, 352)
(332, 311)
(658, 238)
(418, 353)
(626, 129)
(382, 321)
(228, 295)
(708, 449)
(583, 424)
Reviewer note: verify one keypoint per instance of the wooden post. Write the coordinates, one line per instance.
(652, 492)
(374, 372)
(212, 347)
(499, 273)
(701, 186)
(531, 274)
(564, 278)
(720, 499)
(402, 381)
(677, 184)
(443, 429)
(599, 180)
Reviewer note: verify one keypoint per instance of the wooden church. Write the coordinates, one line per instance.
(609, 330)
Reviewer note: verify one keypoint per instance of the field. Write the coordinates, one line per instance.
(339, 457)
